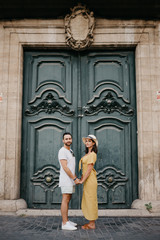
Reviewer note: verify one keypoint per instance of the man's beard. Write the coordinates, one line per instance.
(68, 144)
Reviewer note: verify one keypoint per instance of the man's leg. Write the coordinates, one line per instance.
(64, 206)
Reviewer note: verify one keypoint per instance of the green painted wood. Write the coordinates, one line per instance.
(81, 93)
(50, 80)
(109, 83)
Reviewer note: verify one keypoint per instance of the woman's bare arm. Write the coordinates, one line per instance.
(89, 169)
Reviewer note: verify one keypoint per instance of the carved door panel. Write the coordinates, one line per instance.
(109, 105)
(50, 100)
(87, 92)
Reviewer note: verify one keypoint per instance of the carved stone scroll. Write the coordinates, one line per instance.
(79, 27)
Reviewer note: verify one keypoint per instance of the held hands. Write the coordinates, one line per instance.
(78, 181)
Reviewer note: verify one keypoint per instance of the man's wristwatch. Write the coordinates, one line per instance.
(74, 179)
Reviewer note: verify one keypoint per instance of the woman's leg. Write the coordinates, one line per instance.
(90, 225)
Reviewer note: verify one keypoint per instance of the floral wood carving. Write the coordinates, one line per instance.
(108, 105)
(49, 105)
(110, 176)
(79, 27)
(47, 178)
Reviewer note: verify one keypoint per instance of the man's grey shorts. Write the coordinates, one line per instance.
(68, 189)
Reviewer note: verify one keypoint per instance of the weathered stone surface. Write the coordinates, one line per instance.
(143, 35)
(12, 205)
(49, 227)
(140, 204)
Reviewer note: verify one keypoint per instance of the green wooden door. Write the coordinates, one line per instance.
(89, 92)
(109, 103)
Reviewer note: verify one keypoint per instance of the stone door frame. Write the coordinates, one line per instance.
(109, 34)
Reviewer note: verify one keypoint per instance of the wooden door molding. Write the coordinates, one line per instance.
(109, 109)
(101, 102)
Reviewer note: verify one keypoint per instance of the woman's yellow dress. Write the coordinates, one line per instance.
(89, 202)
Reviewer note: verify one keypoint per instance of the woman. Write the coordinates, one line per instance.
(89, 203)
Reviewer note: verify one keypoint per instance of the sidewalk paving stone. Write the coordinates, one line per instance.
(107, 228)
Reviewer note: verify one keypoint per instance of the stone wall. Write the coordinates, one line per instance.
(144, 36)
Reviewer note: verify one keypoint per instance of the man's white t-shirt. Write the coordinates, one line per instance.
(64, 179)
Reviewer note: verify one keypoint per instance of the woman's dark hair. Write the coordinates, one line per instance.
(94, 148)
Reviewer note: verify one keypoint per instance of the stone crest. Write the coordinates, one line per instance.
(79, 27)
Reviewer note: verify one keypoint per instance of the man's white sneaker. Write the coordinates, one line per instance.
(68, 226)
(73, 223)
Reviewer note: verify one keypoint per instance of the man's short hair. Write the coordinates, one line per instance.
(67, 133)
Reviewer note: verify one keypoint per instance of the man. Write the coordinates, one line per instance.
(67, 179)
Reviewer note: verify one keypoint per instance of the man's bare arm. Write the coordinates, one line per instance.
(66, 169)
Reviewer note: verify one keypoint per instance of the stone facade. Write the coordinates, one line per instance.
(144, 36)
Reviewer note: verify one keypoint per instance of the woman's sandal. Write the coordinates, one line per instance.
(86, 226)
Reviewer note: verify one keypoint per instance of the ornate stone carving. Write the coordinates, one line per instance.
(49, 105)
(108, 105)
(79, 27)
(47, 178)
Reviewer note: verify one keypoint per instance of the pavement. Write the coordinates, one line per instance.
(107, 228)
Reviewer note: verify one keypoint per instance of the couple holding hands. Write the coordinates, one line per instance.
(68, 180)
